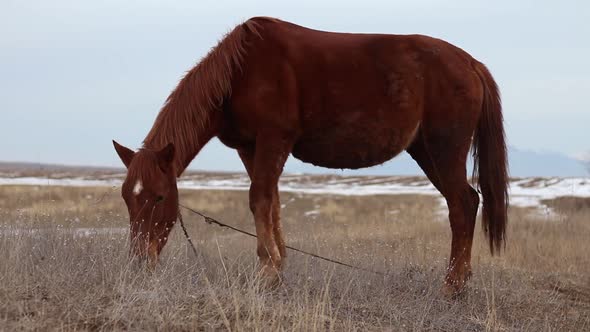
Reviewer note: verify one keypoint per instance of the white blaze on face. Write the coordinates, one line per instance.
(137, 188)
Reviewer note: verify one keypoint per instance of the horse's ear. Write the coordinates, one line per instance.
(166, 156)
(124, 153)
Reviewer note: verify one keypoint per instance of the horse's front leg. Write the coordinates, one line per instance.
(270, 156)
(247, 156)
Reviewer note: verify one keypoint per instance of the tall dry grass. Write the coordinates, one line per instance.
(64, 266)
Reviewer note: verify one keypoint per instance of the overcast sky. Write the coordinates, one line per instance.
(76, 74)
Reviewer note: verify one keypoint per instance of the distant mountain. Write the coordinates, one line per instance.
(531, 163)
(523, 163)
(584, 158)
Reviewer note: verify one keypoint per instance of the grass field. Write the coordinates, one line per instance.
(64, 266)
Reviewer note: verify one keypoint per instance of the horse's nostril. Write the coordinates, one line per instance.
(159, 199)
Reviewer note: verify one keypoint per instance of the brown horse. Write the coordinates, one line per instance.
(272, 88)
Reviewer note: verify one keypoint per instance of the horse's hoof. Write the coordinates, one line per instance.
(271, 276)
(448, 291)
(452, 291)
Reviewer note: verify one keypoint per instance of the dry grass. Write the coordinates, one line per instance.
(64, 266)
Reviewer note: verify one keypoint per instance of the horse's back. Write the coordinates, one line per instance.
(357, 71)
(352, 100)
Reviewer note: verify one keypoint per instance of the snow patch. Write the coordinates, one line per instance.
(525, 192)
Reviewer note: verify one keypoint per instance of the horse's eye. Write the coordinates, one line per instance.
(159, 198)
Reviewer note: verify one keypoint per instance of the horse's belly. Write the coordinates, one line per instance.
(352, 146)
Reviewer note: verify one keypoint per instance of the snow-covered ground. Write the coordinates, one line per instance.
(524, 192)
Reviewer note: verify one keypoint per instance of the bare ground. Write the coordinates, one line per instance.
(64, 266)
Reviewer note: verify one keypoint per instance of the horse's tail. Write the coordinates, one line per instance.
(490, 161)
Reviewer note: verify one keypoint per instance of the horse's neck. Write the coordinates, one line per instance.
(192, 114)
(188, 140)
(204, 135)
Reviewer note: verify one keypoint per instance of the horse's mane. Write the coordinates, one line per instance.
(201, 91)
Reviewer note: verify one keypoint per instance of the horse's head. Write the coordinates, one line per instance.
(151, 196)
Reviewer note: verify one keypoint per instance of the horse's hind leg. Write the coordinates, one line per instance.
(444, 162)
